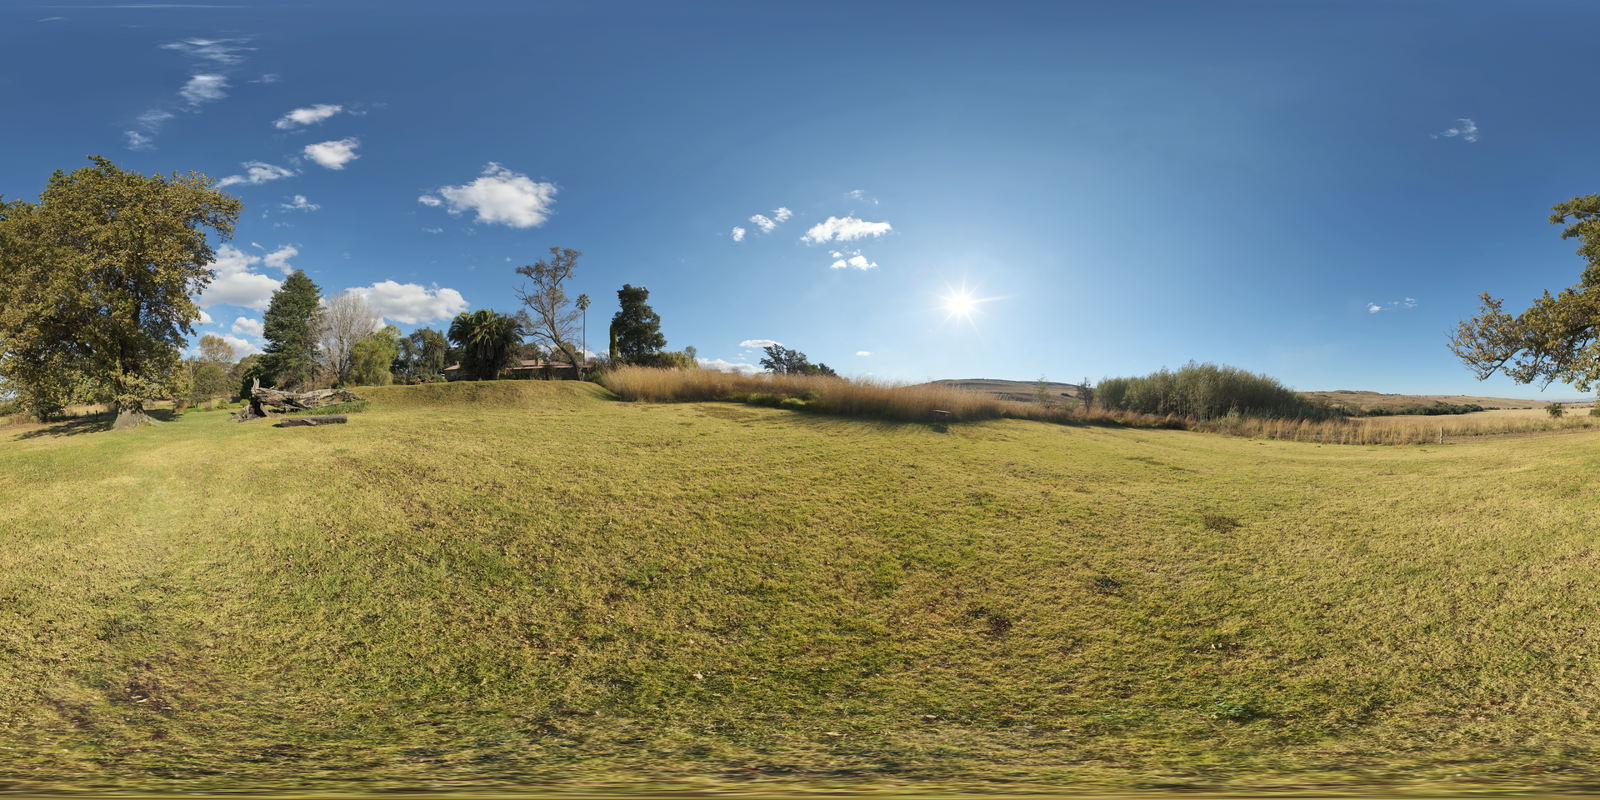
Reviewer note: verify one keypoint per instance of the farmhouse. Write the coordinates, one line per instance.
(528, 368)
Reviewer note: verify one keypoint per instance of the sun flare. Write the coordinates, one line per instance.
(961, 304)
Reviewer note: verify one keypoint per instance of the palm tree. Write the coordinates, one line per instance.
(583, 305)
(487, 337)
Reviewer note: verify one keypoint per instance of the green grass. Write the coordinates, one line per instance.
(528, 584)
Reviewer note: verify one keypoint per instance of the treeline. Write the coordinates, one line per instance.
(1435, 410)
(1207, 391)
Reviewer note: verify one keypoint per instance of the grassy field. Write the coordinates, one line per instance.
(528, 584)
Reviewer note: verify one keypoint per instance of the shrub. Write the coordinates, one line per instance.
(1207, 391)
(1556, 410)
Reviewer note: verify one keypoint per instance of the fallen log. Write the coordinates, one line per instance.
(281, 401)
(295, 422)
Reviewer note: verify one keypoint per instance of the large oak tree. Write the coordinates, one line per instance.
(97, 280)
(1556, 338)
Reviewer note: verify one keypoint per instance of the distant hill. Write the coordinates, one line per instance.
(1023, 391)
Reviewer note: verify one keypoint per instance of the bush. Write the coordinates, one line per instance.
(1207, 391)
(1556, 410)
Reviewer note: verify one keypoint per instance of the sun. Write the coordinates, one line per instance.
(961, 304)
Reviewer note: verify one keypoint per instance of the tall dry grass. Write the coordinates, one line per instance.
(1389, 430)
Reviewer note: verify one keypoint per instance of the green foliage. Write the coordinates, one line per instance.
(1556, 410)
(422, 355)
(1435, 410)
(215, 350)
(1206, 391)
(488, 340)
(290, 358)
(371, 358)
(1557, 338)
(1086, 395)
(97, 282)
(669, 359)
(636, 329)
(210, 382)
(1041, 391)
(548, 317)
(782, 361)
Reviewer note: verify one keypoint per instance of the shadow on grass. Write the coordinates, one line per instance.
(91, 423)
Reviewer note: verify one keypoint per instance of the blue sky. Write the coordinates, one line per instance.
(1125, 185)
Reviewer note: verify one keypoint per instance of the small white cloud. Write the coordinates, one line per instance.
(1409, 303)
(235, 284)
(51, 19)
(1392, 305)
(204, 89)
(738, 234)
(138, 141)
(863, 353)
(840, 264)
(271, 77)
(241, 348)
(766, 225)
(1467, 130)
(499, 195)
(299, 203)
(757, 344)
(257, 173)
(334, 155)
(217, 51)
(836, 254)
(411, 304)
(1374, 308)
(844, 230)
(309, 115)
(279, 258)
(862, 196)
(152, 119)
(245, 326)
(860, 262)
(855, 259)
(433, 230)
(727, 366)
(205, 319)
(781, 214)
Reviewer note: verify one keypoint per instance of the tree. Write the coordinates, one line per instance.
(244, 373)
(1556, 410)
(1086, 394)
(486, 339)
(215, 350)
(290, 328)
(1557, 338)
(552, 321)
(346, 320)
(96, 282)
(583, 306)
(637, 329)
(371, 358)
(1041, 391)
(790, 362)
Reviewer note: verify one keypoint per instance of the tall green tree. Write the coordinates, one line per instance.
(289, 326)
(372, 357)
(427, 353)
(783, 361)
(97, 278)
(637, 328)
(1557, 338)
(487, 341)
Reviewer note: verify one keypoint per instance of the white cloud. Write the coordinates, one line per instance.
(205, 319)
(138, 141)
(334, 155)
(863, 353)
(257, 173)
(727, 366)
(844, 230)
(781, 214)
(855, 259)
(217, 51)
(412, 304)
(271, 77)
(245, 326)
(153, 118)
(759, 343)
(279, 258)
(241, 348)
(1468, 131)
(738, 234)
(204, 89)
(306, 116)
(299, 204)
(433, 230)
(500, 195)
(1392, 305)
(235, 284)
(766, 225)
(861, 195)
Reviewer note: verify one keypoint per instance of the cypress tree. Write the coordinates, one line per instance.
(637, 328)
(291, 348)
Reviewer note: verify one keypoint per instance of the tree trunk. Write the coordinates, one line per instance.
(131, 415)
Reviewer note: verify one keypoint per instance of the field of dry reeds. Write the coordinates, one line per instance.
(870, 397)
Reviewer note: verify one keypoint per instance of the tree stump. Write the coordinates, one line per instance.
(311, 422)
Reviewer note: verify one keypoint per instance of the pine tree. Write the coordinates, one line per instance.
(290, 360)
(637, 328)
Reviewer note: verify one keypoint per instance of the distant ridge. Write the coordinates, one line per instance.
(1023, 391)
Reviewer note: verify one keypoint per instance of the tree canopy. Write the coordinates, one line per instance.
(97, 279)
(1556, 338)
(636, 329)
(549, 318)
(790, 362)
(290, 329)
(487, 340)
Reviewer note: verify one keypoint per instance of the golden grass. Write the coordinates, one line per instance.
(848, 396)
